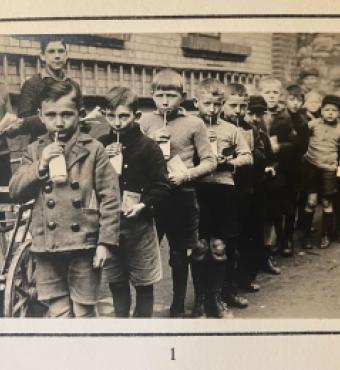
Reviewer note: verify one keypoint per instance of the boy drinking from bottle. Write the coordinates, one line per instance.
(143, 185)
(216, 197)
(76, 217)
(190, 157)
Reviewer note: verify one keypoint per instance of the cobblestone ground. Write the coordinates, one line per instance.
(306, 288)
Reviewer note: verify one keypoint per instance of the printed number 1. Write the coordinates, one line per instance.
(173, 354)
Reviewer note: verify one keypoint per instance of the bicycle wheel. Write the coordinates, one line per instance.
(20, 298)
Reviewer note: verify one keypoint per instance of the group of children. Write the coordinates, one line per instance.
(216, 184)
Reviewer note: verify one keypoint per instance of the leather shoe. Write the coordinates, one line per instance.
(235, 300)
(307, 242)
(198, 309)
(325, 242)
(288, 249)
(250, 288)
(270, 268)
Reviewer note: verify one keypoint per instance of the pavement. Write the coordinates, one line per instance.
(307, 287)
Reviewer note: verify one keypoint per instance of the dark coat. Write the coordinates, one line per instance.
(292, 133)
(29, 103)
(65, 216)
(144, 169)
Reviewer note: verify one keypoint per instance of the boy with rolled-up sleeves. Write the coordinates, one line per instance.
(186, 146)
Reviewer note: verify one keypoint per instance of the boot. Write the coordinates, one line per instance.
(327, 220)
(308, 220)
(198, 272)
(121, 298)
(288, 248)
(214, 305)
(199, 306)
(144, 301)
(179, 280)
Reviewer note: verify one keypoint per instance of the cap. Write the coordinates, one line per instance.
(257, 103)
(331, 99)
(309, 72)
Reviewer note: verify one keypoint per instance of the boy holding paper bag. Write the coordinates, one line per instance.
(143, 185)
(191, 157)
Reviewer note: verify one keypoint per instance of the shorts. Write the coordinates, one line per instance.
(67, 274)
(219, 206)
(318, 180)
(178, 219)
(137, 259)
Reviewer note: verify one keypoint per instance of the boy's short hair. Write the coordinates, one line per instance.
(168, 79)
(46, 40)
(331, 99)
(237, 89)
(122, 96)
(296, 91)
(54, 90)
(269, 80)
(211, 86)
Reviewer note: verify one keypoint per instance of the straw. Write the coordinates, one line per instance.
(210, 121)
(164, 118)
(117, 137)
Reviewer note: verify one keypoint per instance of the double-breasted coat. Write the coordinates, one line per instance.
(78, 214)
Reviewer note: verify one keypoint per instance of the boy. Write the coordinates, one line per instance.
(216, 195)
(72, 237)
(54, 55)
(143, 176)
(320, 167)
(263, 172)
(287, 132)
(309, 80)
(190, 148)
(235, 109)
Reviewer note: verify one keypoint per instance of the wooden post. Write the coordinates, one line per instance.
(5, 67)
(22, 70)
(133, 77)
(38, 65)
(121, 74)
(82, 77)
(143, 82)
(192, 84)
(95, 73)
(108, 76)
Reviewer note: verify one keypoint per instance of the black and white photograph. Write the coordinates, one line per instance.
(169, 188)
(182, 175)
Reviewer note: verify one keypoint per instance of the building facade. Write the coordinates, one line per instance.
(98, 62)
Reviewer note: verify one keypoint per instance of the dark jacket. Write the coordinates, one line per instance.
(76, 215)
(29, 102)
(144, 169)
(292, 134)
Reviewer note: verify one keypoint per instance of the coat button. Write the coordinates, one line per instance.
(50, 203)
(75, 227)
(48, 188)
(125, 166)
(75, 185)
(76, 203)
(51, 225)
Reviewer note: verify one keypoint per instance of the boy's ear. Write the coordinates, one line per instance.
(138, 114)
(42, 57)
(184, 96)
(195, 101)
(40, 114)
